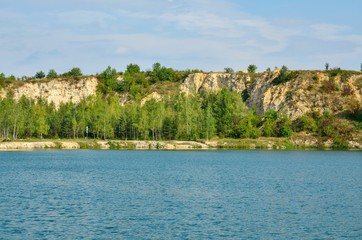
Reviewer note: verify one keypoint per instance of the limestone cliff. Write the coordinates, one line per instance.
(305, 91)
(57, 90)
(214, 82)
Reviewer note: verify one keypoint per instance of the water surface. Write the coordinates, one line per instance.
(181, 195)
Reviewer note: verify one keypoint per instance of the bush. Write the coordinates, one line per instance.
(228, 70)
(39, 75)
(252, 68)
(330, 86)
(52, 74)
(305, 123)
(284, 76)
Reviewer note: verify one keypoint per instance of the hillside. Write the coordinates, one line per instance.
(305, 91)
(189, 106)
(302, 92)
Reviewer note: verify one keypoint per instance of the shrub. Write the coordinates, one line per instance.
(347, 90)
(330, 86)
(228, 70)
(252, 68)
(284, 76)
(39, 75)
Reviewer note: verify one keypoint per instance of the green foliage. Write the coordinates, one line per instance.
(5, 81)
(249, 125)
(285, 75)
(305, 123)
(161, 74)
(132, 69)
(52, 74)
(245, 95)
(252, 68)
(39, 75)
(343, 74)
(74, 72)
(335, 72)
(269, 123)
(108, 81)
(228, 70)
(229, 110)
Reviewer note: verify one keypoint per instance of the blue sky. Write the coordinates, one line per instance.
(184, 34)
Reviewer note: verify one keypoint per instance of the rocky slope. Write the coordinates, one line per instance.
(305, 91)
(57, 90)
(214, 82)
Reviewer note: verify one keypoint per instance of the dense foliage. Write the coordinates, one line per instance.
(179, 117)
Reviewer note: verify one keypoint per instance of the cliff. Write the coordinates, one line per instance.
(214, 82)
(297, 94)
(58, 90)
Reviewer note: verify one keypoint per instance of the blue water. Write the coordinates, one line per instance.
(181, 195)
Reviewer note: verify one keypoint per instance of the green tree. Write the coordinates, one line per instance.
(229, 109)
(249, 125)
(209, 122)
(132, 69)
(252, 68)
(161, 74)
(155, 112)
(188, 120)
(41, 123)
(39, 75)
(109, 81)
(305, 123)
(327, 66)
(269, 123)
(75, 72)
(228, 70)
(52, 74)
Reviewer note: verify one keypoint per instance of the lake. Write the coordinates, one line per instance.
(88, 194)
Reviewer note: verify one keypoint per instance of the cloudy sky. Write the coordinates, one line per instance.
(184, 34)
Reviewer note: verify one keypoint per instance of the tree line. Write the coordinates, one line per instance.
(181, 117)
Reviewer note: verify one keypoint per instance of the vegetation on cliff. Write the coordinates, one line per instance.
(174, 115)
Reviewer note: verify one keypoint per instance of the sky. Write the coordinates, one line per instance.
(183, 34)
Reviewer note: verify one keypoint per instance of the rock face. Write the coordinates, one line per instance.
(309, 91)
(154, 95)
(57, 90)
(306, 91)
(214, 82)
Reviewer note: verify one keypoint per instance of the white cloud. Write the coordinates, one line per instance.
(208, 34)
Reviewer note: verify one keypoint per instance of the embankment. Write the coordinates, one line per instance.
(260, 143)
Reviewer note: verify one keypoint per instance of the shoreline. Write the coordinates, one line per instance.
(224, 144)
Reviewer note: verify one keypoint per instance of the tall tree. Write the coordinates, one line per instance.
(41, 123)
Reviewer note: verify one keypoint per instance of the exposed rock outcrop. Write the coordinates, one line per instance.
(155, 95)
(306, 91)
(214, 82)
(309, 91)
(57, 90)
